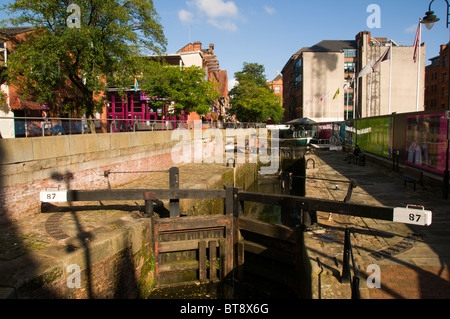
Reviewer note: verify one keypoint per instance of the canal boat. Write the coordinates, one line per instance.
(304, 130)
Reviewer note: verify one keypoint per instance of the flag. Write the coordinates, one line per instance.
(324, 97)
(347, 85)
(136, 84)
(310, 101)
(336, 95)
(416, 44)
(366, 70)
(384, 57)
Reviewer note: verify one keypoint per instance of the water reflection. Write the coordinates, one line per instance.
(292, 159)
(265, 213)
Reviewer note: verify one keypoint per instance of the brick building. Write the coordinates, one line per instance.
(210, 64)
(277, 85)
(11, 104)
(14, 105)
(318, 81)
(312, 77)
(192, 54)
(436, 81)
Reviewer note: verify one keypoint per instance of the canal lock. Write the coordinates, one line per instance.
(255, 283)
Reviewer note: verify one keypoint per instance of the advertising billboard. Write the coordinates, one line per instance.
(373, 135)
(426, 137)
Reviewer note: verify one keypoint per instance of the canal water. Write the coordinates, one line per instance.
(271, 184)
(292, 161)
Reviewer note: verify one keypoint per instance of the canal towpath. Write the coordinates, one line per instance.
(412, 262)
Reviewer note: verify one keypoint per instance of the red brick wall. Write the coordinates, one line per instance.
(22, 181)
(21, 201)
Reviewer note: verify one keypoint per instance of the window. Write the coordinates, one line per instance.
(348, 99)
(277, 89)
(350, 53)
(348, 115)
(298, 73)
(349, 67)
(445, 61)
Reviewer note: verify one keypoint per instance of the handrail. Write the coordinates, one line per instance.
(346, 276)
(48, 126)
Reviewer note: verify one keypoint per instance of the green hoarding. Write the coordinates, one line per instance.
(374, 135)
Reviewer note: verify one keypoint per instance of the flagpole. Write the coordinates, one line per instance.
(323, 106)
(346, 104)
(356, 98)
(418, 67)
(390, 79)
(370, 96)
(339, 109)
(313, 110)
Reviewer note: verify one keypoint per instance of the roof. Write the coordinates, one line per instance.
(16, 103)
(324, 46)
(15, 30)
(331, 46)
(278, 77)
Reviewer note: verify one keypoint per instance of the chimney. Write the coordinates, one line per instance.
(197, 46)
(211, 48)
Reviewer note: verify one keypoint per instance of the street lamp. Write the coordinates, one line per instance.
(429, 20)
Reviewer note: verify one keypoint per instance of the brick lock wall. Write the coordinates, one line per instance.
(122, 275)
(22, 200)
(22, 182)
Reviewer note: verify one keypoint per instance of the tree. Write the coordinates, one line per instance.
(104, 48)
(186, 86)
(252, 100)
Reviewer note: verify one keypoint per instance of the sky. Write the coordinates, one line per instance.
(269, 32)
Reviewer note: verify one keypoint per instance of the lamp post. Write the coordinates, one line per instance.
(429, 20)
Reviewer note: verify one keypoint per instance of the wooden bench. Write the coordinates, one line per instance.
(145, 126)
(360, 159)
(412, 176)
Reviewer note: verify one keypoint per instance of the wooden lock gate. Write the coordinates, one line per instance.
(227, 245)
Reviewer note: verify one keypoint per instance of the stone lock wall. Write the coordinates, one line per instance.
(117, 260)
(26, 165)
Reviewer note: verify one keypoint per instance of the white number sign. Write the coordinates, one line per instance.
(54, 197)
(414, 215)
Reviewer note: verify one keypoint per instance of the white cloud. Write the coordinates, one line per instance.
(232, 83)
(411, 29)
(223, 25)
(270, 10)
(217, 8)
(185, 16)
(219, 13)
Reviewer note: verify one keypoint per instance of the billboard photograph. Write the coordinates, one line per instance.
(426, 141)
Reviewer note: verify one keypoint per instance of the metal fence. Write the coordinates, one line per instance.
(38, 126)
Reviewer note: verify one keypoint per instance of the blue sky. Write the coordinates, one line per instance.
(268, 32)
